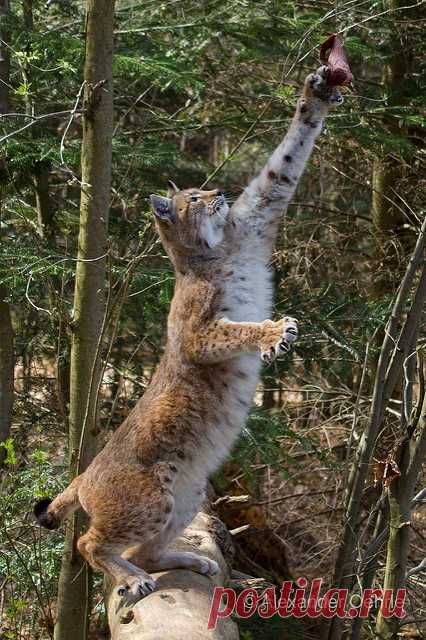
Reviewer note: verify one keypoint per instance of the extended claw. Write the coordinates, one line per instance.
(135, 589)
(284, 346)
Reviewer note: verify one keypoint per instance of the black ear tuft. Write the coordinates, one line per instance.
(44, 518)
(162, 208)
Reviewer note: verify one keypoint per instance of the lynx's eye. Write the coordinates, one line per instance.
(194, 198)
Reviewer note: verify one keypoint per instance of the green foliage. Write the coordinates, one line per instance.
(29, 559)
(262, 441)
(8, 446)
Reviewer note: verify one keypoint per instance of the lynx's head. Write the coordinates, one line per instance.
(190, 222)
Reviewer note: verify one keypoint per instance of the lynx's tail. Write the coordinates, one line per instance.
(50, 513)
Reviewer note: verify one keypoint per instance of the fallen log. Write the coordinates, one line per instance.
(179, 608)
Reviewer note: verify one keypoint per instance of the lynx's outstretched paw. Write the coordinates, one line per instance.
(284, 333)
(135, 588)
(316, 86)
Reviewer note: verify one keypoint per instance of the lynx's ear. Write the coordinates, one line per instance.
(172, 189)
(162, 208)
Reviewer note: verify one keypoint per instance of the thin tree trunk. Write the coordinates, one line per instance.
(41, 169)
(7, 365)
(370, 562)
(387, 210)
(7, 355)
(400, 502)
(89, 301)
(397, 553)
(44, 207)
(4, 56)
(401, 493)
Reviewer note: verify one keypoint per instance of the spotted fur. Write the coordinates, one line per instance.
(149, 481)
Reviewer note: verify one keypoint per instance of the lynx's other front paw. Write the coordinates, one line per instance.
(317, 88)
(184, 560)
(278, 338)
(206, 566)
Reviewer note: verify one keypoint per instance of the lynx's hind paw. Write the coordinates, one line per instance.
(207, 567)
(135, 588)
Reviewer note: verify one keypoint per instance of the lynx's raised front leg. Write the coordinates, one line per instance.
(224, 339)
(261, 205)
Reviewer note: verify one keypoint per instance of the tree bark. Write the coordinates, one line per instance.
(41, 173)
(4, 56)
(180, 606)
(89, 300)
(401, 493)
(7, 355)
(387, 210)
(7, 365)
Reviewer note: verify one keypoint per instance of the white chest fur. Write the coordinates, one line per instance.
(247, 298)
(248, 288)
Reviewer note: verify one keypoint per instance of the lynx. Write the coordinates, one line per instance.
(149, 481)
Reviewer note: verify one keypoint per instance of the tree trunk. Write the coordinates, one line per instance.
(7, 364)
(388, 212)
(89, 301)
(401, 494)
(180, 606)
(397, 553)
(4, 56)
(7, 355)
(44, 207)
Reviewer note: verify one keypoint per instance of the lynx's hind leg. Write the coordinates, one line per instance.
(132, 583)
(137, 515)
